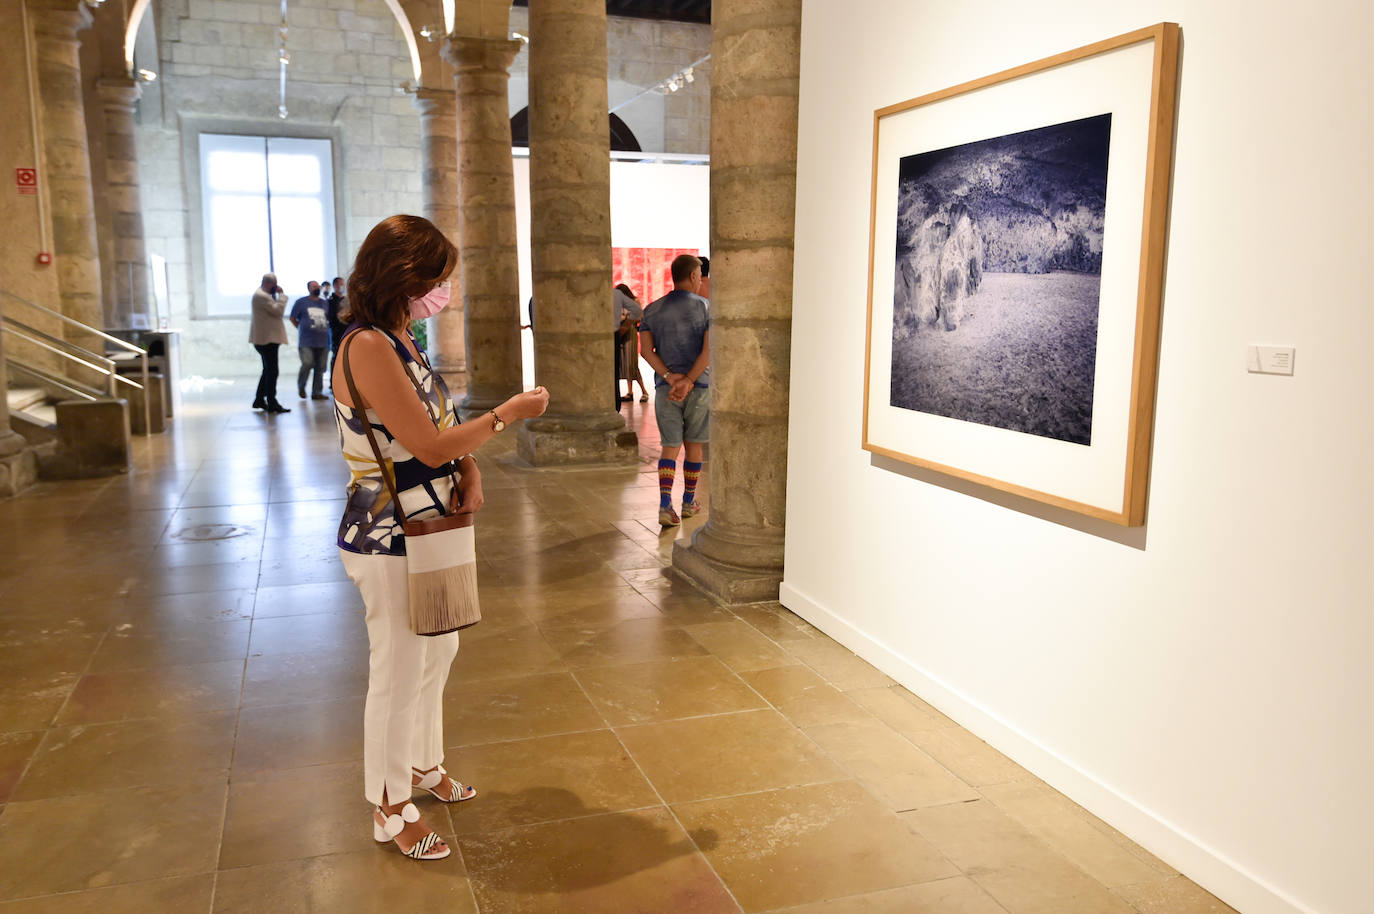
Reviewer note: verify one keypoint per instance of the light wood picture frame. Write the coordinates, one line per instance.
(1016, 260)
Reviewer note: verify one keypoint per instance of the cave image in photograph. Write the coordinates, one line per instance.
(998, 272)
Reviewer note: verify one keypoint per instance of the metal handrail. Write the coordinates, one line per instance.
(112, 377)
(70, 386)
(122, 344)
(50, 343)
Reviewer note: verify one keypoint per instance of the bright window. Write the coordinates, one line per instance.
(268, 205)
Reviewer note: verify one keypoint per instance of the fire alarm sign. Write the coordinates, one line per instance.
(26, 180)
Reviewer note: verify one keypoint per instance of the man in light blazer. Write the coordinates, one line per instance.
(266, 332)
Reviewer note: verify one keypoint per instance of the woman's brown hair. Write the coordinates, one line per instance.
(403, 257)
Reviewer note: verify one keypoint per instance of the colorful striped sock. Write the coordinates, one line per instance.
(691, 472)
(667, 469)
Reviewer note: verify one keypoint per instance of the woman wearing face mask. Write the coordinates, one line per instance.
(399, 275)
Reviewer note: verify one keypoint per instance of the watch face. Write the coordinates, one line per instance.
(497, 424)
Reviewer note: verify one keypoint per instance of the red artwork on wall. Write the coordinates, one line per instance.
(647, 271)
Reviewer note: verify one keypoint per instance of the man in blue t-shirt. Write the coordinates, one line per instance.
(310, 316)
(675, 340)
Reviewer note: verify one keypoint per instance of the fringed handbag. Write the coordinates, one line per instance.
(441, 557)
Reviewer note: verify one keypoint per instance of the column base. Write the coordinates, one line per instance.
(18, 464)
(566, 441)
(702, 565)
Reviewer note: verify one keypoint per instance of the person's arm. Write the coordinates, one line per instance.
(650, 355)
(689, 380)
(277, 306)
(384, 386)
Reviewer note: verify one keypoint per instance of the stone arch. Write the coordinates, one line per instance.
(623, 138)
(140, 9)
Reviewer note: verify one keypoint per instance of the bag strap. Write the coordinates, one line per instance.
(360, 405)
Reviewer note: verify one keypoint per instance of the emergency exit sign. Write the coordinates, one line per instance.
(26, 180)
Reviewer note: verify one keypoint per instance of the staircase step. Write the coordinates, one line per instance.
(22, 398)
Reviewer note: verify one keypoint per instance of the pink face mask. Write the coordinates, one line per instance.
(431, 303)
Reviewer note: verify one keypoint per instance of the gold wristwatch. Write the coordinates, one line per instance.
(497, 423)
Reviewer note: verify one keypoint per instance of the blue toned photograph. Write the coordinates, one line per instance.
(998, 274)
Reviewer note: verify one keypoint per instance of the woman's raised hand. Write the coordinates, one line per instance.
(529, 404)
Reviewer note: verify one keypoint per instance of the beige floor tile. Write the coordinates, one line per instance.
(837, 664)
(99, 757)
(1022, 872)
(1073, 832)
(808, 844)
(285, 679)
(182, 894)
(16, 749)
(31, 701)
(695, 609)
(726, 754)
(599, 607)
(804, 697)
(492, 710)
(213, 552)
(294, 736)
(495, 652)
(181, 609)
(900, 710)
(540, 780)
(956, 895)
(195, 579)
(140, 648)
(299, 599)
(776, 622)
(57, 649)
(324, 633)
(1172, 896)
(629, 641)
(172, 691)
(968, 756)
(72, 843)
(740, 647)
(637, 862)
(898, 773)
(283, 814)
(375, 880)
(666, 690)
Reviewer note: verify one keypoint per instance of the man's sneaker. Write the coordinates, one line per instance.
(690, 509)
(667, 517)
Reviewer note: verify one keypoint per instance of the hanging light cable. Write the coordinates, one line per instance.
(283, 58)
(671, 84)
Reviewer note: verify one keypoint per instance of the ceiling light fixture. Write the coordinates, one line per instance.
(668, 86)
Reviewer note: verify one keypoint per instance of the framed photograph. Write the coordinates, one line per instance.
(1016, 252)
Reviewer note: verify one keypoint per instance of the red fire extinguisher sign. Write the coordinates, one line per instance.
(26, 180)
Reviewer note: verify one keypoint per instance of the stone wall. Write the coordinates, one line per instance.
(217, 63)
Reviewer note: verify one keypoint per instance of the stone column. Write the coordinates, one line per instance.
(67, 159)
(131, 289)
(755, 66)
(570, 239)
(486, 216)
(18, 466)
(439, 154)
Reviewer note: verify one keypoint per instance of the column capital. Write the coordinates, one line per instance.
(430, 102)
(119, 93)
(59, 18)
(491, 54)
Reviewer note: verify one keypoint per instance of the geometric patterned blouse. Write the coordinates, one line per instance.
(369, 525)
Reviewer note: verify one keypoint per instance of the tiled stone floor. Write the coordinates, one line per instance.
(184, 664)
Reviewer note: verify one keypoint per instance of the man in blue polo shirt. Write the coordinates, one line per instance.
(311, 318)
(675, 340)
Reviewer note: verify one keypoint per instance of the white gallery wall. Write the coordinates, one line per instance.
(1204, 683)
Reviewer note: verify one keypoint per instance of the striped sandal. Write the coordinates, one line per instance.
(433, 781)
(389, 827)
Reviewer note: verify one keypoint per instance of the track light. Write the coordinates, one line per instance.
(519, 37)
(146, 76)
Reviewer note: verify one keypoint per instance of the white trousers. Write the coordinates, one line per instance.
(403, 720)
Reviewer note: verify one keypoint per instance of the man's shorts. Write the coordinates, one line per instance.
(689, 420)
